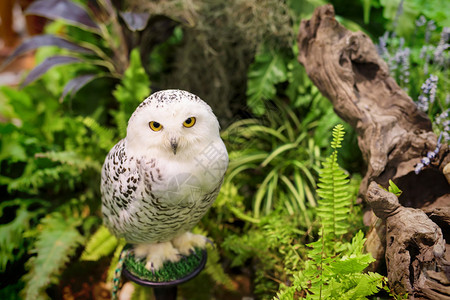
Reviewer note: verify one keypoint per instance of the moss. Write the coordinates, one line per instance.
(169, 272)
(220, 39)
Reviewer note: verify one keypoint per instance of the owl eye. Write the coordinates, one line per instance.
(155, 126)
(189, 122)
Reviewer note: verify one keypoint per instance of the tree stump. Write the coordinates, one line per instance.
(393, 136)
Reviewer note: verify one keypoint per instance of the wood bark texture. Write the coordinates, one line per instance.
(393, 137)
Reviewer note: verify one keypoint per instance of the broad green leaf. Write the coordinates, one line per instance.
(57, 240)
(267, 70)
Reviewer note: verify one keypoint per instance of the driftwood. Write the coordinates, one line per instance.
(393, 136)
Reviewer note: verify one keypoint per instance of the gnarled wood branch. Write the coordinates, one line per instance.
(393, 136)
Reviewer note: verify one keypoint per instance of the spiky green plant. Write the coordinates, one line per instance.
(276, 157)
(333, 190)
(335, 269)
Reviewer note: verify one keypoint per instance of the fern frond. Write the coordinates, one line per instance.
(105, 135)
(101, 243)
(57, 240)
(334, 192)
(134, 87)
(215, 269)
(32, 180)
(11, 237)
(267, 70)
(338, 136)
(72, 159)
(367, 284)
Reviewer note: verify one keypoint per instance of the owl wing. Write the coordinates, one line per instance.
(120, 182)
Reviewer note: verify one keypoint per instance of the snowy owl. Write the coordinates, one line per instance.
(163, 176)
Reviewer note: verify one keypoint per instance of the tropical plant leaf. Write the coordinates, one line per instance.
(63, 9)
(101, 243)
(57, 240)
(135, 21)
(72, 159)
(393, 188)
(106, 136)
(37, 41)
(134, 88)
(267, 70)
(11, 233)
(76, 84)
(47, 64)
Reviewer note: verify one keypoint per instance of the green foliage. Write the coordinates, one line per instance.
(281, 156)
(100, 244)
(334, 269)
(51, 154)
(420, 66)
(91, 40)
(273, 247)
(133, 89)
(12, 245)
(393, 188)
(402, 14)
(334, 201)
(266, 71)
(56, 241)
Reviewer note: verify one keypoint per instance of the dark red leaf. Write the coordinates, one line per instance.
(43, 67)
(135, 21)
(43, 40)
(62, 9)
(74, 85)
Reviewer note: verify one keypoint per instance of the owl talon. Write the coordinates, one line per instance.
(156, 254)
(187, 242)
(152, 268)
(194, 253)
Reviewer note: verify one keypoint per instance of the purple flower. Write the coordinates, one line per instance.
(443, 121)
(421, 21)
(428, 95)
(439, 51)
(431, 26)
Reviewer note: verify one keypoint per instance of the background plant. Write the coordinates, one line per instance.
(334, 269)
(421, 67)
(51, 157)
(280, 156)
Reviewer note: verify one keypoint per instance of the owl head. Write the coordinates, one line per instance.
(173, 123)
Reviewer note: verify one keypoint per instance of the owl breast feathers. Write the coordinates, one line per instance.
(163, 176)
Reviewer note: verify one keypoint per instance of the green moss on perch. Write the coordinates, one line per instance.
(186, 267)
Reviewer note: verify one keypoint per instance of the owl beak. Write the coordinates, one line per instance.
(174, 145)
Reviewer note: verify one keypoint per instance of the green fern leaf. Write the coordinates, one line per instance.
(334, 192)
(267, 70)
(105, 135)
(11, 234)
(101, 243)
(72, 159)
(57, 240)
(32, 179)
(134, 87)
(215, 269)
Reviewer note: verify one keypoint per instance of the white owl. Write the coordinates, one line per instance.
(163, 176)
